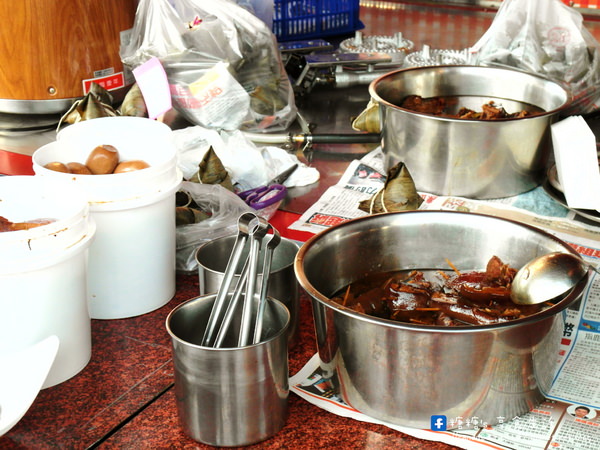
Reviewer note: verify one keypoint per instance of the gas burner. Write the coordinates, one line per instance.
(396, 46)
(313, 63)
(435, 57)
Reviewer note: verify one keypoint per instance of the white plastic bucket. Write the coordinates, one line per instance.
(132, 259)
(43, 288)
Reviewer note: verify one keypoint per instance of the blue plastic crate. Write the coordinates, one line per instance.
(305, 19)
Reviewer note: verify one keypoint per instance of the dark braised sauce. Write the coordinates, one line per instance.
(459, 299)
(449, 106)
(7, 225)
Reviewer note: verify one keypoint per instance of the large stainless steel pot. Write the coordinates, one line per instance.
(404, 373)
(469, 158)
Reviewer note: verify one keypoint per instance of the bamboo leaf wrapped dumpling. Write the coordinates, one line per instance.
(212, 171)
(398, 193)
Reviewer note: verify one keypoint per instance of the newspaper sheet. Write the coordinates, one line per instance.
(569, 418)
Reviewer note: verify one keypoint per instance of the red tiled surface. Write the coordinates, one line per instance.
(15, 164)
(130, 366)
(124, 397)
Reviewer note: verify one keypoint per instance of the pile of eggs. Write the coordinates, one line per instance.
(103, 160)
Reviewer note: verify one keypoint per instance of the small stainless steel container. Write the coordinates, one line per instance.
(213, 256)
(229, 396)
(469, 158)
(405, 373)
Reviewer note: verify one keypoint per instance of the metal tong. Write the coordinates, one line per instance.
(253, 228)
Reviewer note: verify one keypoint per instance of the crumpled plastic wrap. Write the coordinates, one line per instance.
(249, 166)
(546, 38)
(223, 209)
(222, 63)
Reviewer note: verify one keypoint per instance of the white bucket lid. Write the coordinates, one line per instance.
(27, 198)
(134, 138)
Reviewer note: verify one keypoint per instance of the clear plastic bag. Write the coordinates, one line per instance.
(224, 208)
(222, 62)
(545, 38)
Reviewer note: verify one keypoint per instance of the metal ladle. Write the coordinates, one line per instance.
(547, 277)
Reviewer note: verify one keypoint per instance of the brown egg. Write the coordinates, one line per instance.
(78, 168)
(130, 166)
(57, 167)
(103, 160)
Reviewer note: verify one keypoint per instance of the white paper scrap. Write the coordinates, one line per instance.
(152, 81)
(577, 162)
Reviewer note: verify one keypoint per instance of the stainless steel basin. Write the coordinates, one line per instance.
(469, 158)
(404, 373)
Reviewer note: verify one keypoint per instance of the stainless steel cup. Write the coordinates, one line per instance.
(213, 256)
(229, 396)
